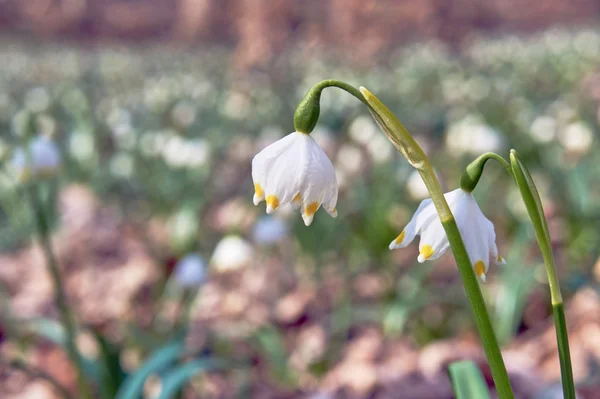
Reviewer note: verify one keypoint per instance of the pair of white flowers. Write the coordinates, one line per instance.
(296, 170)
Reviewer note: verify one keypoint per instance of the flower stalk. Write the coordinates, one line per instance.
(404, 142)
(533, 203)
(43, 233)
(305, 119)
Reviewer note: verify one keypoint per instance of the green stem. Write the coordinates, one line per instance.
(482, 319)
(564, 354)
(474, 170)
(59, 296)
(533, 203)
(307, 112)
(404, 142)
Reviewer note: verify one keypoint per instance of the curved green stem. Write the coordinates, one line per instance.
(305, 119)
(474, 170)
(533, 203)
(415, 155)
(307, 112)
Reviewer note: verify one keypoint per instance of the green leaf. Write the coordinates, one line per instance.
(467, 381)
(174, 381)
(532, 201)
(112, 373)
(159, 361)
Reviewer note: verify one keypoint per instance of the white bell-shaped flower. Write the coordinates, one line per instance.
(295, 169)
(190, 271)
(41, 159)
(476, 230)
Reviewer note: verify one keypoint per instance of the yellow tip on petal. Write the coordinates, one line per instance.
(479, 268)
(296, 202)
(272, 203)
(311, 209)
(258, 190)
(396, 243)
(259, 194)
(500, 260)
(426, 252)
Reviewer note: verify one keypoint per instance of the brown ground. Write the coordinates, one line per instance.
(109, 272)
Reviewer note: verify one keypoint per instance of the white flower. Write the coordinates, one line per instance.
(232, 253)
(295, 169)
(41, 159)
(476, 230)
(190, 271)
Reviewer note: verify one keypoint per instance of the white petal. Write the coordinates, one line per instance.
(425, 212)
(498, 260)
(475, 229)
(434, 242)
(284, 174)
(263, 161)
(296, 202)
(318, 181)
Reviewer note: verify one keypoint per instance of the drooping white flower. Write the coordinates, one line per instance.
(190, 271)
(476, 230)
(295, 169)
(42, 158)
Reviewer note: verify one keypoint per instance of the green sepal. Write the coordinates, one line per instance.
(307, 113)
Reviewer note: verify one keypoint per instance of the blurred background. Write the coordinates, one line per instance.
(156, 109)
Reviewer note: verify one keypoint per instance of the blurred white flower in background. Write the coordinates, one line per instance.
(363, 129)
(476, 230)
(81, 146)
(41, 159)
(122, 165)
(380, 149)
(183, 227)
(190, 271)
(37, 99)
(236, 105)
(416, 187)
(543, 129)
(349, 158)
(295, 170)
(576, 137)
(179, 152)
(269, 230)
(471, 135)
(231, 253)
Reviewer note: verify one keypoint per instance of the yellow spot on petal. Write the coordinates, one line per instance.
(479, 268)
(400, 238)
(426, 250)
(500, 258)
(272, 201)
(258, 190)
(311, 209)
(335, 210)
